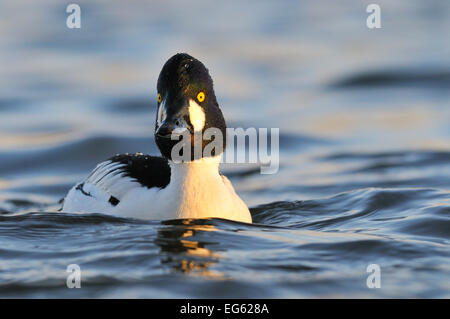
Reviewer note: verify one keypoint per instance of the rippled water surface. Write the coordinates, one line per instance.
(364, 118)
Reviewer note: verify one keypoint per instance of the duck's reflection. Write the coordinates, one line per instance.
(183, 251)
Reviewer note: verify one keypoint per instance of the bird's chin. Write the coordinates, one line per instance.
(165, 145)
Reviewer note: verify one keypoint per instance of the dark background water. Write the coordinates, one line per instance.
(364, 118)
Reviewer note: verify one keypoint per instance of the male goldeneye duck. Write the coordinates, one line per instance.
(162, 188)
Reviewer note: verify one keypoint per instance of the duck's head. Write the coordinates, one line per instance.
(186, 101)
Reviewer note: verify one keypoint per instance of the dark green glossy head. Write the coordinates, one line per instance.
(186, 100)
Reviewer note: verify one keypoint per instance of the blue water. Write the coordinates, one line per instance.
(364, 118)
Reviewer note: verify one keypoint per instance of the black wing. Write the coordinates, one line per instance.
(149, 171)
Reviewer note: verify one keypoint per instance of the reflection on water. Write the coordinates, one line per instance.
(183, 254)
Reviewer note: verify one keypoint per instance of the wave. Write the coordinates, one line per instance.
(439, 79)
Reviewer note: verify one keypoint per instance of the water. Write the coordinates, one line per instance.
(364, 120)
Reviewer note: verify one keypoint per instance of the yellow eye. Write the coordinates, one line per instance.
(159, 98)
(201, 96)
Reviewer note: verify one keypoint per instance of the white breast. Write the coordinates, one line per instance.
(199, 191)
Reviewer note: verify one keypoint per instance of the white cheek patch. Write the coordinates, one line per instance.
(196, 115)
(161, 113)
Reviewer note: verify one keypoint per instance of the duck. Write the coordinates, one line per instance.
(167, 187)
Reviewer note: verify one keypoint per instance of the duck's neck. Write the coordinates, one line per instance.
(194, 188)
(197, 190)
(198, 170)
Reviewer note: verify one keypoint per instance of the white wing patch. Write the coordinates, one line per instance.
(109, 177)
(107, 180)
(93, 195)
